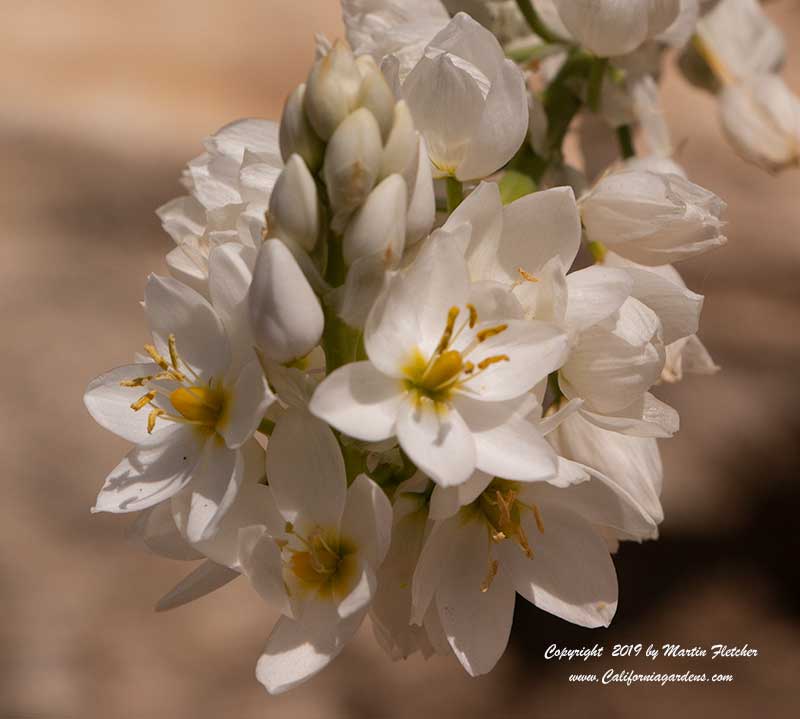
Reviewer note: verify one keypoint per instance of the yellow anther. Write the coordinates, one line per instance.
(484, 335)
(538, 517)
(473, 315)
(452, 316)
(173, 351)
(489, 361)
(151, 419)
(490, 575)
(138, 382)
(527, 276)
(198, 404)
(445, 369)
(156, 357)
(469, 368)
(143, 401)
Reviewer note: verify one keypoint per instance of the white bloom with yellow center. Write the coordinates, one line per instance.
(189, 411)
(449, 371)
(538, 540)
(316, 556)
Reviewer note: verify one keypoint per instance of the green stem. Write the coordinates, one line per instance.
(596, 77)
(625, 139)
(455, 193)
(536, 24)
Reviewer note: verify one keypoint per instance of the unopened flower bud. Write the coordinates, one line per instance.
(762, 120)
(375, 94)
(294, 207)
(422, 205)
(285, 315)
(652, 219)
(332, 90)
(380, 225)
(296, 134)
(401, 147)
(352, 161)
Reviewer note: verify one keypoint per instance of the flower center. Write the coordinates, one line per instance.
(195, 403)
(321, 564)
(447, 369)
(500, 508)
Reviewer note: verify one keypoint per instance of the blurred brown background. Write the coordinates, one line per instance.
(100, 105)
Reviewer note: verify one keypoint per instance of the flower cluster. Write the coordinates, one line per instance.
(403, 364)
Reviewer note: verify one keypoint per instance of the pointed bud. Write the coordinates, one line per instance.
(352, 162)
(762, 120)
(422, 205)
(379, 227)
(332, 90)
(401, 147)
(285, 315)
(294, 208)
(297, 135)
(375, 94)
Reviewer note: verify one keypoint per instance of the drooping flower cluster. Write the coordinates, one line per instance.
(404, 364)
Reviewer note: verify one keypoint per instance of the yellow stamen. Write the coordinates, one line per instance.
(490, 575)
(452, 315)
(138, 382)
(444, 370)
(143, 401)
(473, 315)
(527, 276)
(489, 361)
(173, 351)
(537, 515)
(151, 419)
(484, 335)
(156, 357)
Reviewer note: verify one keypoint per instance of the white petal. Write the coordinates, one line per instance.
(607, 27)
(367, 519)
(433, 559)
(207, 578)
(571, 574)
(261, 561)
(438, 441)
(534, 350)
(438, 91)
(538, 227)
(152, 472)
(594, 294)
(477, 623)
(507, 444)
(154, 529)
(503, 125)
(600, 502)
(110, 404)
(306, 470)
(245, 405)
(354, 598)
(446, 501)
(359, 401)
(648, 416)
(230, 272)
(174, 308)
(296, 651)
(215, 484)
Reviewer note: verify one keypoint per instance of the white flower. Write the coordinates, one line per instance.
(761, 118)
(615, 27)
(285, 315)
(200, 407)
(230, 187)
(447, 374)
(631, 464)
(317, 559)
(538, 540)
(468, 101)
(396, 29)
(652, 219)
(294, 208)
